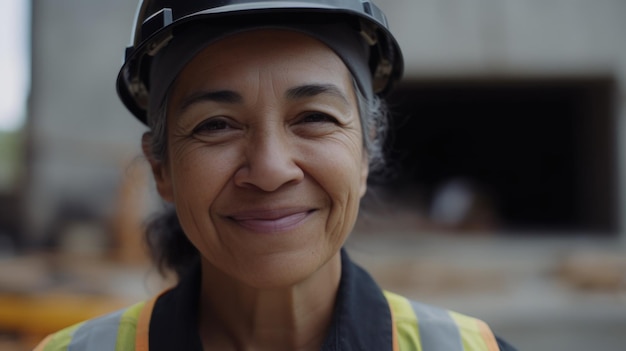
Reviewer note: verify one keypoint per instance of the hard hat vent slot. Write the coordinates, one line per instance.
(159, 20)
(367, 8)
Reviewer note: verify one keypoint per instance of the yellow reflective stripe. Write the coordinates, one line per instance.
(421, 327)
(128, 328)
(471, 335)
(405, 321)
(58, 341)
(122, 324)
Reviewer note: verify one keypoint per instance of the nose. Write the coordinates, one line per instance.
(270, 162)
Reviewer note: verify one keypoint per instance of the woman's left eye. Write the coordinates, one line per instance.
(317, 117)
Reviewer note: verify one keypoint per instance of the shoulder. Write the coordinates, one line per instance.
(110, 329)
(505, 346)
(422, 326)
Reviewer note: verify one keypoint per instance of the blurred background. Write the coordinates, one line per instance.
(504, 197)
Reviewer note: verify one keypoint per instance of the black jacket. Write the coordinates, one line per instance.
(174, 319)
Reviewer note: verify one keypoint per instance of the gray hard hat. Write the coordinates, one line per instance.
(171, 32)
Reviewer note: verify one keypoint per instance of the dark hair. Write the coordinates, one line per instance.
(169, 247)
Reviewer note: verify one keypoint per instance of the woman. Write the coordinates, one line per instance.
(264, 123)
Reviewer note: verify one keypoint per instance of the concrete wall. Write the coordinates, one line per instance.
(517, 39)
(510, 37)
(81, 137)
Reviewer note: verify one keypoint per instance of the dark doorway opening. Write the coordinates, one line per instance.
(540, 152)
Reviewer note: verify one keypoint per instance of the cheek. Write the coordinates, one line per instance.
(339, 170)
(199, 173)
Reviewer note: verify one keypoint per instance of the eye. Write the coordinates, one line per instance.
(317, 117)
(213, 125)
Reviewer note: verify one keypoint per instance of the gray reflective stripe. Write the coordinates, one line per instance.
(99, 334)
(437, 329)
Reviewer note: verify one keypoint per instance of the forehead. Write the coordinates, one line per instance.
(280, 56)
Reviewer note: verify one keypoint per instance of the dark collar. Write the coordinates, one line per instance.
(361, 320)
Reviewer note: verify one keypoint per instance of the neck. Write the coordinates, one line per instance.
(236, 316)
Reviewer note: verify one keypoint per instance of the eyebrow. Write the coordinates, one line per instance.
(312, 90)
(225, 96)
(231, 97)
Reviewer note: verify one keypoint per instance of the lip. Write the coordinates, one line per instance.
(271, 221)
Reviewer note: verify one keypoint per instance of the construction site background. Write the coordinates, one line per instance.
(521, 225)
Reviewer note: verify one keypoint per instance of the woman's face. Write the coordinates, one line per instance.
(265, 163)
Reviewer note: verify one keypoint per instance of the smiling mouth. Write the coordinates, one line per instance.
(271, 221)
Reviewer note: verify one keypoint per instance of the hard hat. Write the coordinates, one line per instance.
(158, 21)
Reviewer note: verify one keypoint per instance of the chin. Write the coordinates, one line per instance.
(281, 270)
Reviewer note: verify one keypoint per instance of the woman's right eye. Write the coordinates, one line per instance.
(212, 125)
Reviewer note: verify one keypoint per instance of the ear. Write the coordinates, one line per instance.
(365, 170)
(159, 169)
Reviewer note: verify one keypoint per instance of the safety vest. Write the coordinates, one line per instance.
(421, 327)
(416, 327)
